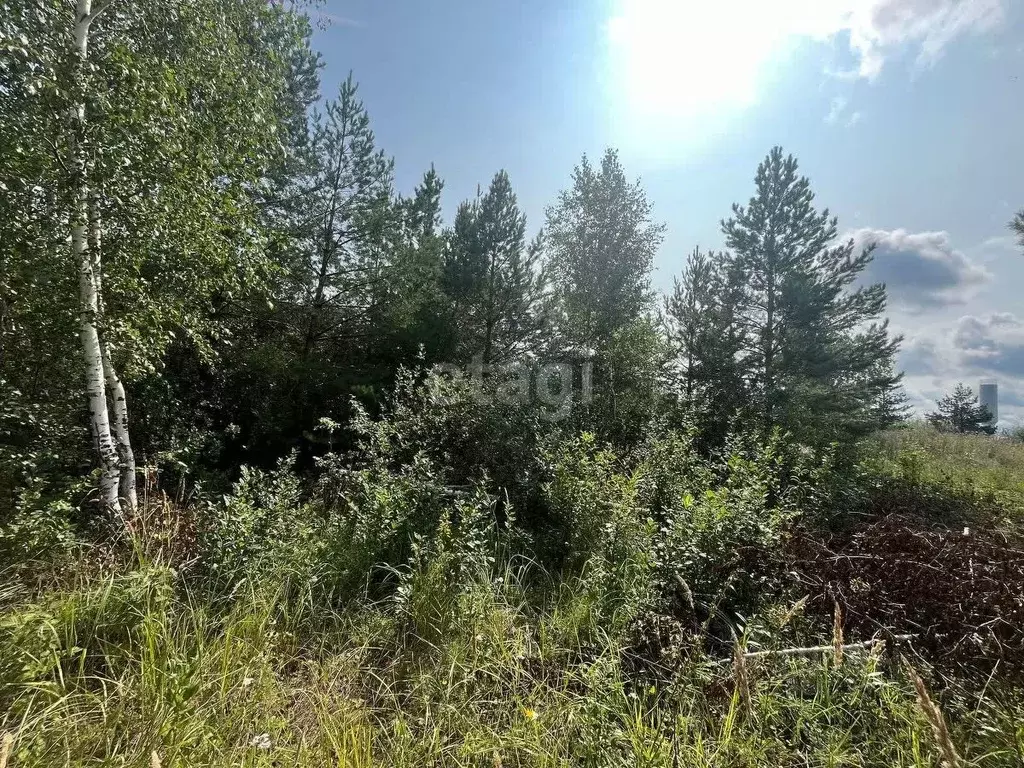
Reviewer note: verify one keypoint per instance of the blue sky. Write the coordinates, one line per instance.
(907, 115)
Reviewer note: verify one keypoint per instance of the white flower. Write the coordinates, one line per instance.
(247, 682)
(261, 742)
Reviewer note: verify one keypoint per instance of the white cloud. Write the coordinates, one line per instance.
(922, 270)
(837, 113)
(836, 109)
(878, 28)
(991, 344)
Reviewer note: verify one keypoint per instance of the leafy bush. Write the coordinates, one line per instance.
(467, 431)
(263, 532)
(604, 529)
(377, 513)
(719, 549)
(446, 563)
(31, 534)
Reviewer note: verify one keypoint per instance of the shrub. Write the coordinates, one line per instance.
(445, 564)
(376, 513)
(605, 532)
(467, 431)
(719, 549)
(262, 532)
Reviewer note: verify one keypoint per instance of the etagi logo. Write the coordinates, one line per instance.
(557, 386)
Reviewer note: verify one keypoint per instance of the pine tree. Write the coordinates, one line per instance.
(960, 412)
(892, 407)
(338, 263)
(705, 340)
(411, 321)
(494, 279)
(1017, 225)
(813, 344)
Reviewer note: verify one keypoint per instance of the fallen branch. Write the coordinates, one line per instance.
(811, 650)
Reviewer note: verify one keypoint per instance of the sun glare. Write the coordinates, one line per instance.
(692, 58)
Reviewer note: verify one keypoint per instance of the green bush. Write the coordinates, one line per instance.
(263, 532)
(722, 544)
(605, 531)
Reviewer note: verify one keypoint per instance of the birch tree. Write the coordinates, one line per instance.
(602, 242)
(150, 128)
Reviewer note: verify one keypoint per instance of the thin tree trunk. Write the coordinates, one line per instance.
(769, 347)
(125, 455)
(87, 278)
(118, 401)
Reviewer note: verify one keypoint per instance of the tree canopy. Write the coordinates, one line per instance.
(960, 412)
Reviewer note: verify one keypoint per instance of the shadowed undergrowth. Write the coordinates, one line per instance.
(689, 612)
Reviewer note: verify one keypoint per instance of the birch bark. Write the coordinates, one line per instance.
(87, 275)
(117, 400)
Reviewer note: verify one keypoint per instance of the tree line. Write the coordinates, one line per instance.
(202, 262)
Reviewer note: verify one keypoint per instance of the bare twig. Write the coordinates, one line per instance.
(815, 649)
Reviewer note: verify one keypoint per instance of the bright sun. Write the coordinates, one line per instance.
(692, 58)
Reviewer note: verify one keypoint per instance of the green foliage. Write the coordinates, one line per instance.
(415, 566)
(602, 247)
(960, 412)
(493, 280)
(260, 684)
(974, 473)
(467, 430)
(596, 505)
(602, 243)
(723, 541)
(182, 121)
(263, 532)
(705, 339)
(78, 628)
(814, 353)
(445, 565)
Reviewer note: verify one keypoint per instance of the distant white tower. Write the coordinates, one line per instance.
(988, 396)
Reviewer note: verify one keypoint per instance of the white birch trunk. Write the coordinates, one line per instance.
(87, 278)
(118, 401)
(125, 455)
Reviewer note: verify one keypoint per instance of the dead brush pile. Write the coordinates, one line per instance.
(959, 590)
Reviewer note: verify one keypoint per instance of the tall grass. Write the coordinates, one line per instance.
(118, 670)
(979, 464)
